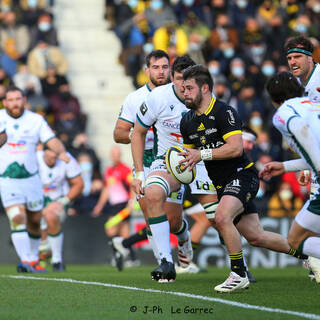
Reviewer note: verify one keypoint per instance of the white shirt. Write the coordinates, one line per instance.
(130, 108)
(313, 83)
(18, 156)
(55, 179)
(309, 111)
(163, 110)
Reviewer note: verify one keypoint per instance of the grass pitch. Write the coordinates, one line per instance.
(101, 292)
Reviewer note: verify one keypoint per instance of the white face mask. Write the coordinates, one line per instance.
(285, 194)
(214, 70)
(242, 4)
(316, 8)
(237, 71)
(256, 121)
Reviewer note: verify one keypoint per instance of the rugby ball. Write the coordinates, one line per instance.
(172, 162)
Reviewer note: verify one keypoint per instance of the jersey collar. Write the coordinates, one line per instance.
(314, 68)
(149, 89)
(212, 102)
(174, 91)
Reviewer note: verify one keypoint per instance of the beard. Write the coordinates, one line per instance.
(160, 82)
(194, 104)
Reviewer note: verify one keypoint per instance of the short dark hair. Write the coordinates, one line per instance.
(298, 42)
(181, 63)
(283, 86)
(157, 54)
(200, 74)
(14, 88)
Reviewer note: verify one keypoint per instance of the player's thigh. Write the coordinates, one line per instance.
(229, 207)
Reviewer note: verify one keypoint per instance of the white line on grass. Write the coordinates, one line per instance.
(180, 294)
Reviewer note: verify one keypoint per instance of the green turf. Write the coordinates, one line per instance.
(287, 289)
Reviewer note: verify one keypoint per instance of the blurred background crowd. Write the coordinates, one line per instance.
(240, 41)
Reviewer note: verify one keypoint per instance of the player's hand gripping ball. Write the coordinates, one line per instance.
(183, 176)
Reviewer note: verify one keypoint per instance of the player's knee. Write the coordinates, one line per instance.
(51, 218)
(222, 220)
(17, 218)
(156, 189)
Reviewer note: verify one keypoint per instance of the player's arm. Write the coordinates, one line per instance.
(57, 146)
(75, 187)
(306, 141)
(122, 132)
(103, 198)
(3, 138)
(137, 150)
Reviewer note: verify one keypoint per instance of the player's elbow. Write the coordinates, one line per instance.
(237, 151)
(3, 139)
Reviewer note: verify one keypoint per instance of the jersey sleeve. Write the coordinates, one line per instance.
(229, 122)
(147, 112)
(282, 118)
(184, 132)
(46, 132)
(73, 168)
(128, 110)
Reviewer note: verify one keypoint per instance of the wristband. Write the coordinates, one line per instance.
(64, 200)
(139, 175)
(206, 154)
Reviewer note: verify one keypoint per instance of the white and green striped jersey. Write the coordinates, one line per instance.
(313, 83)
(163, 111)
(55, 179)
(309, 111)
(130, 108)
(18, 156)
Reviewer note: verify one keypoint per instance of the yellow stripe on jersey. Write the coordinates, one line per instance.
(249, 165)
(231, 133)
(212, 102)
(191, 146)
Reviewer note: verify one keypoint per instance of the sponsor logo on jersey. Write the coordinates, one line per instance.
(209, 131)
(194, 136)
(49, 188)
(176, 136)
(172, 107)
(171, 124)
(203, 140)
(20, 146)
(278, 118)
(201, 127)
(212, 118)
(143, 109)
(231, 119)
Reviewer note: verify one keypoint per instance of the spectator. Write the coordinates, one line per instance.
(283, 203)
(44, 56)
(44, 30)
(15, 42)
(31, 10)
(51, 82)
(237, 76)
(27, 81)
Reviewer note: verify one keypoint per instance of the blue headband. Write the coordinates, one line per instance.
(300, 50)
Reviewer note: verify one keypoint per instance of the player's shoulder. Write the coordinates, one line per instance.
(33, 116)
(187, 117)
(139, 93)
(161, 91)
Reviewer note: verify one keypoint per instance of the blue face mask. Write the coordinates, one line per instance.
(133, 3)
(32, 3)
(301, 28)
(214, 70)
(237, 71)
(228, 53)
(156, 5)
(260, 193)
(86, 166)
(257, 51)
(188, 3)
(256, 121)
(44, 26)
(242, 4)
(268, 70)
(147, 48)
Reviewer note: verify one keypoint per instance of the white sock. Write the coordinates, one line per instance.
(160, 229)
(154, 247)
(21, 243)
(56, 244)
(34, 247)
(311, 247)
(182, 234)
